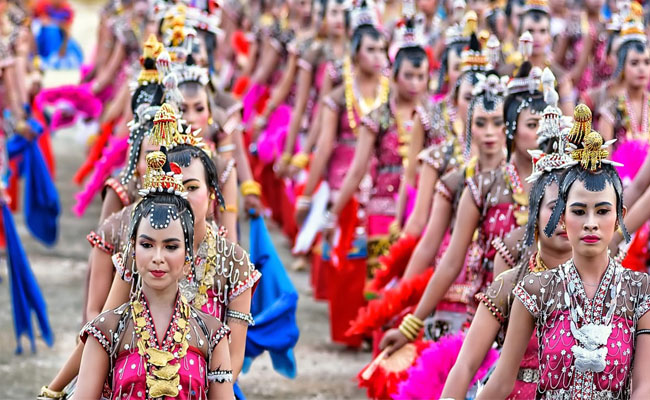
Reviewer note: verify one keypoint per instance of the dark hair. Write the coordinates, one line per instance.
(358, 34)
(535, 14)
(151, 94)
(162, 208)
(515, 103)
(623, 51)
(509, 4)
(469, 76)
(535, 197)
(323, 10)
(457, 48)
(184, 154)
(594, 182)
(416, 55)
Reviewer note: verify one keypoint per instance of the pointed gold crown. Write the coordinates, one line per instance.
(150, 51)
(581, 125)
(162, 176)
(167, 131)
(589, 148)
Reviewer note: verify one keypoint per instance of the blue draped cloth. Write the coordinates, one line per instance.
(273, 306)
(42, 207)
(26, 295)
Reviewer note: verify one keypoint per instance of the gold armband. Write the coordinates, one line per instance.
(250, 187)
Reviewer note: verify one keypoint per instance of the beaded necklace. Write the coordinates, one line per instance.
(634, 129)
(363, 106)
(518, 194)
(162, 377)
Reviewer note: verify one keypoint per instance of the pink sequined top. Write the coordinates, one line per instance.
(127, 378)
(346, 140)
(390, 152)
(586, 347)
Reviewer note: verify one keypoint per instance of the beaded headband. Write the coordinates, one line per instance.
(162, 176)
(632, 30)
(527, 84)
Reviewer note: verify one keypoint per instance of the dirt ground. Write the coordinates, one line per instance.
(325, 371)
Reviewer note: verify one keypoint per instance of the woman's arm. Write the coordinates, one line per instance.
(304, 84)
(220, 359)
(578, 70)
(606, 129)
(428, 246)
(448, 268)
(241, 303)
(93, 370)
(267, 64)
(362, 154)
(107, 74)
(321, 158)
(640, 381)
(426, 184)
(110, 205)
(639, 185)
(565, 90)
(410, 169)
(101, 276)
(228, 217)
(118, 293)
(479, 339)
(520, 330)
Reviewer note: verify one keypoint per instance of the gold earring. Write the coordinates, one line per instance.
(563, 226)
(210, 121)
(212, 196)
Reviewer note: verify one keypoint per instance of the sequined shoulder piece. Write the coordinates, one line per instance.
(440, 156)
(105, 327)
(509, 247)
(335, 100)
(113, 233)
(119, 189)
(531, 290)
(234, 265)
(378, 120)
(498, 295)
(213, 328)
(481, 184)
(421, 110)
(311, 56)
(449, 185)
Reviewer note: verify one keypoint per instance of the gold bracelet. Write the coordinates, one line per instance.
(229, 208)
(408, 335)
(300, 160)
(414, 320)
(47, 393)
(250, 187)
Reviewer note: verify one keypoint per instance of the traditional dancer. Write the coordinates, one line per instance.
(189, 357)
(585, 307)
(494, 304)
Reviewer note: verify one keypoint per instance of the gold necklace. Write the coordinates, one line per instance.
(207, 282)
(364, 106)
(162, 377)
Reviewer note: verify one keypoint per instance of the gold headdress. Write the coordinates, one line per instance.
(162, 176)
(587, 147)
(150, 52)
(168, 132)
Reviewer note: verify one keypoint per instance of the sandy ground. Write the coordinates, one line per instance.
(325, 371)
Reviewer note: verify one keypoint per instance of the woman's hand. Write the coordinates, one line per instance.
(393, 340)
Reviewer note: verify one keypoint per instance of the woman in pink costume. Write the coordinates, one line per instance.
(385, 135)
(228, 296)
(590, 314)
(491, 319)
(341, 116)
(627, 116)
(129, 353)
(493, 203)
